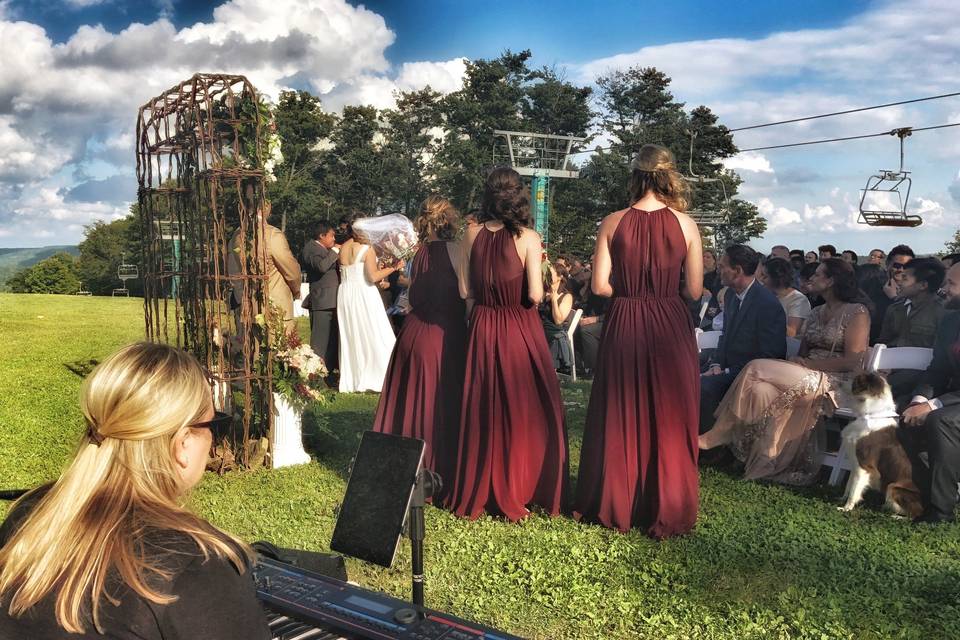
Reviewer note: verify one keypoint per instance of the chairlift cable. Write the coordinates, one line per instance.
(840, 113)
(860, 137)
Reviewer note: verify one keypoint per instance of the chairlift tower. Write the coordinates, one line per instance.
(169, 231)
(883, 202)
(540, 156)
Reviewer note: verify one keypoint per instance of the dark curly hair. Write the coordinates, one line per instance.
(779, 273)
(844, 278)
(505, 198)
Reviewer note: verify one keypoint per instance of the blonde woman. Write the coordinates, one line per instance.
(108, 549)
(424, 382)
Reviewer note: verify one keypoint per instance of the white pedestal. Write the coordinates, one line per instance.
(287, 445)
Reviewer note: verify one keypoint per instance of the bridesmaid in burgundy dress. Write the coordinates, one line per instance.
(424, 381)
(513, 442)
(638, 467)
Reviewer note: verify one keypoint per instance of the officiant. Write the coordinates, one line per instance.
(320, 261)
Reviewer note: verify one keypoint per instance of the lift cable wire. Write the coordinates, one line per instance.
(867, 135)
(840, 113)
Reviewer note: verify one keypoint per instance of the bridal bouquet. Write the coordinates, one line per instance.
(392, 235)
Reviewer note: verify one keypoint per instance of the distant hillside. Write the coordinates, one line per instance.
(12, 260)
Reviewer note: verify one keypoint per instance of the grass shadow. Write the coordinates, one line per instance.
(81, 368)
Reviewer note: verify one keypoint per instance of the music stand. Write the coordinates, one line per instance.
(387, 490)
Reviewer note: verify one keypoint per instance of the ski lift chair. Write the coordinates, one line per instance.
(884, 200)
(707, 216)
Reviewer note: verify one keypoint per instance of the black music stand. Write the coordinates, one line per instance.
(385, 497)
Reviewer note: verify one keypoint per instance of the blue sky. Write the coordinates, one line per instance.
(75, 71)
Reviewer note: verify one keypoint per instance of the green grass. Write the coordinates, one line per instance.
(764, 562)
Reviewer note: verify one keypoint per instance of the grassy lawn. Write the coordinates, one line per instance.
(764, 562)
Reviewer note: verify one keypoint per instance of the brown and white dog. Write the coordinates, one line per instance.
(878, 459)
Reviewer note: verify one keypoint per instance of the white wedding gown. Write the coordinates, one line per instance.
(366, 336)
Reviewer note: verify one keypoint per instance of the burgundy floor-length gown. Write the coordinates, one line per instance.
(424, 382)
(513, 441)
(638, 466)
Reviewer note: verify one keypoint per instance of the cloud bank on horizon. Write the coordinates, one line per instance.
(67, 109)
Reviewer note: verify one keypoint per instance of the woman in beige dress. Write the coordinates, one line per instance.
(769, 414)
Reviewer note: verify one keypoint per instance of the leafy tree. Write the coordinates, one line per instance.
(637, 108)
(953, 245)
(104, 246)
(56, 274)
(297, 195)
(490, 99)
(409, 131)
(354, 167)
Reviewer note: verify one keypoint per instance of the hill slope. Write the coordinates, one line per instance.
(14, 259)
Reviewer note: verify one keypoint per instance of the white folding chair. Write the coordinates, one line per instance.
(880, 358)
(793, 346)
(574, 321)
(884, 358)
(708, 339)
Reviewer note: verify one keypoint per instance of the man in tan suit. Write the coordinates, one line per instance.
(282, 271)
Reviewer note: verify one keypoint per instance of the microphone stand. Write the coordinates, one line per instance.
(428, 485)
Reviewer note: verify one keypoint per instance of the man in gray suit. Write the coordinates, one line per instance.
(320, 257)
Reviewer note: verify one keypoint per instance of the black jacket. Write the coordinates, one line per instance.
(758, 329)
(321, 267)
(942, 378)
(214, 600)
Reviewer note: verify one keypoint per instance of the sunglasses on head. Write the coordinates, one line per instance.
(220, 424)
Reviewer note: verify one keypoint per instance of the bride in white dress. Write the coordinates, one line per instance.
(366, 336)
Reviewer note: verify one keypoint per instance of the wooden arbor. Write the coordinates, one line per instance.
(200, 152)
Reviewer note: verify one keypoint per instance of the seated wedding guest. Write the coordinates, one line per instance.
(711, 278)
(932, 422)
(555, 311)
(913, 320)
(780, 251)
(876, 257)
(767, 418)
(109, 550)
(717, 323)
(851, 257)
(754, 327)
(579, 280)
(806, 274)
(777, 275)
(883, 293)
(586, 338)
(827, 251)
(950, 259)
(811, 257)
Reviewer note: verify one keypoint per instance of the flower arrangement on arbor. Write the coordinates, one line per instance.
(298, 372)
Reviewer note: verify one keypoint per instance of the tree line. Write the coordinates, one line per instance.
(371, 161)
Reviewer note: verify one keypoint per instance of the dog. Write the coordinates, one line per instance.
(881, 462)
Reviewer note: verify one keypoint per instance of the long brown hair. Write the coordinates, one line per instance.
(122, 484)
(654, 169)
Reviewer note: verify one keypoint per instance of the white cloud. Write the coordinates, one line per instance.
(750, 161)
(65, 105)
(777, 217)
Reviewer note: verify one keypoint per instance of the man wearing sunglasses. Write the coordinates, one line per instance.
(883, 295)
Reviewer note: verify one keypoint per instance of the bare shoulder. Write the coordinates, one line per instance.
(611, 220)
(528, 237)
(687, 224)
